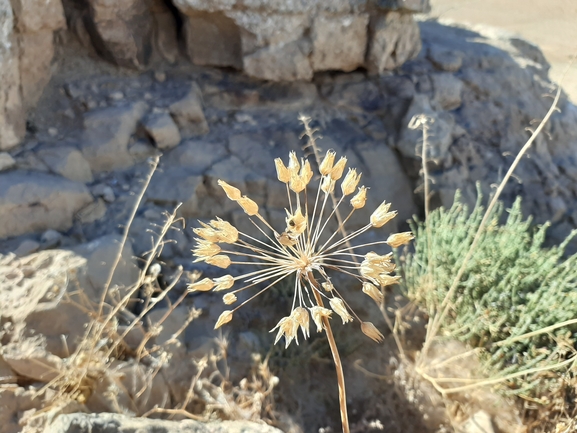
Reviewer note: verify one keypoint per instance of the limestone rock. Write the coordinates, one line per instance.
(121, 31)
(339, 43)
(32, 202)
(106, 136)
(196, 155)
(394, 39)
(417, 6)
(288, 62)
(447, 91)
(36, 52)
(29, 359)
(176, 186)
(6, 161)
(100, 423)
(68, 162)
(165, 37)
(12, 118)
(36, 15)
(480, 422)
(16, 404)
(92, 212)
(188, 113)
(162, 130)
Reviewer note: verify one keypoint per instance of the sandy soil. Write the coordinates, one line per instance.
(551, 24)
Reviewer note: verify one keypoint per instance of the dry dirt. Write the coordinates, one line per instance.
(550, 24)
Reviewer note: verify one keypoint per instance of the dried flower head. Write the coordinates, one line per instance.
(304, 249)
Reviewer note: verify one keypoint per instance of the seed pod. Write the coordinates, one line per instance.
(220, 260)
(306, 173)
(203, 285)
(327, 164)
(360, 198)
(381, 215)
(230, 191)
(371, 290)
(225, 317)
(229, 298)
(294, 165)
(282, 172)
(327, 185)
(338, 306)
(372, 332)
(248, 205)
(301, 315)
(397, 239)
(339, 168)
(226, 232)
(223, 283)
(318, 314)
(350, 181)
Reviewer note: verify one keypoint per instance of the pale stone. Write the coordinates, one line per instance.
(67, 161)
(279, 63)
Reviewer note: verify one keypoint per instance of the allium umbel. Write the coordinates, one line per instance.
(301, 249)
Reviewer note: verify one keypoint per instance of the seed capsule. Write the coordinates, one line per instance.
(371, 290)
(230, 191)
(350, 182)
(248, 205)
(372, 332)
(397, 239)
(282, 172)
(338, 306)
(223, 283)
(327, 164)
(339, 168)
(229, 298)
(225, 317)
(220, 260)
(360, 198)
(381, 215)
(318, 314)
(203, 285)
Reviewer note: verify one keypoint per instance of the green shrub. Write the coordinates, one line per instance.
(511, 286)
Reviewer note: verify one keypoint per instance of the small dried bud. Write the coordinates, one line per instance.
(397, 239)
(381, 215)
(223, 283)
(371, 290)
(372, 332)
(230, 191)
(318, 314)
(339, 168)
(327, 185)
(338, 306)
(306, 173)
(248, 205)
(205, 249)
(220, 260)
(327, 164)
(350, 181)
(282, 172)
(301, 315)
(360, 198)
(203, 285)
(229, 298)
(294, 165)
(328, 286)
(225, 317)
(226, 232)
(288, 327)
(296, 224)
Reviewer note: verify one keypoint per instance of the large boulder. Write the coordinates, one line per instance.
(287, 41)
(34, 202)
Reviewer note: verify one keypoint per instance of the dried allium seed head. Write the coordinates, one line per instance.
(372, 332)
(339, 307)
(398, 239)
(288, 327)
(328, 162)
(327, 185)
(328, 286)
(225, 317)
(375, 293)
(294, 165)
(282, 172)
(248, 205)
(318, 314)
(306, 173)
(226, 232)
(350, 181)
(203, 285)
(220, 260)
(360, 198)
(229, 298)
(230, 191)
(223, 283)
(339, 168)
(301, 315)
(381, 215)
(205, 249)
(296, 224)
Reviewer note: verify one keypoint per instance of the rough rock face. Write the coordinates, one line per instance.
(26, 50)
(86, 423)
(31, 202)
(285, 41)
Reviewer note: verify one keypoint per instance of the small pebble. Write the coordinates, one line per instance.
(160, 76)
(27, 247)
(116, 96)
(53, 132)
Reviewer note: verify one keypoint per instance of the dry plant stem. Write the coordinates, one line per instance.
(336, 356)
(445, 305)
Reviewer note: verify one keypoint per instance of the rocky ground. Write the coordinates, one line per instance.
(67, 190)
